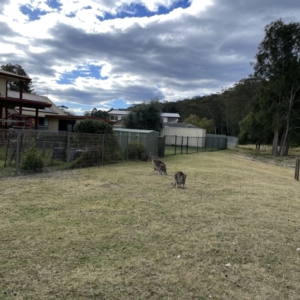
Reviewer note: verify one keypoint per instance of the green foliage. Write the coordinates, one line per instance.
(136, 150)
(32, 161)
(254, 128)
(204, 123)
(250, 130)
(92, 155)
(209, 125)
(278, 66)
(88, 158)
(15, 86)
(226, 109)
(113, 150)
(146, 115)
(97, 113)
(170, 107)
(93, 126)
(193, 119)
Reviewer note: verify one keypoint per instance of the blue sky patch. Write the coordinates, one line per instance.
(36, 13)
(33, 14)
(86, 71)
(54, 4)
(136, 10)
(119, 103)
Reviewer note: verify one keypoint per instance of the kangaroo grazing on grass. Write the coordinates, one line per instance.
(179, 179)
(159, 166)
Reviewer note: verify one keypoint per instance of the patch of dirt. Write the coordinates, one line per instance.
(287, 161)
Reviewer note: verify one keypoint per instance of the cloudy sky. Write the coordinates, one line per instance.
(113, 53)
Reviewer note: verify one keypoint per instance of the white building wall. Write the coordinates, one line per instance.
(196, 136)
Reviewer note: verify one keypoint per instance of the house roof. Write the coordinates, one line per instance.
(13, 99)
(118, 112)
(33, 97)
(170, 115)
(13, 102)
(133, 130)
(179, 125)
(12, 76)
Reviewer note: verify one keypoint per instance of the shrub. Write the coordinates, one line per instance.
(136, 150)
(87, 158)
(93, 126)
(93, 155)
(32, 161)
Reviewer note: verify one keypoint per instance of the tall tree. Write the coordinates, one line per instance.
(146, 115)
(15, 86)
(278, 66)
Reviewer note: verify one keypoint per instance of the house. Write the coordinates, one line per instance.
(16, 102)
(19, 110)
(117, 117)
(170, 117)
(44, 122)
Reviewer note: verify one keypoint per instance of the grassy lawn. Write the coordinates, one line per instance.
(123, 232)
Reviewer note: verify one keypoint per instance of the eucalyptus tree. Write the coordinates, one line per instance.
(15, 85)
(146, 115)
(98, 113)
(278, 66)
(235, 103)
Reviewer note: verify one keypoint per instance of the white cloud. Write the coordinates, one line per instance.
(10, 49)
(36, 49)
(183, 53)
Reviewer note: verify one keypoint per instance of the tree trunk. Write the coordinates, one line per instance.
(284, 142)
(287, 145)
(286, 135)
(275, 143)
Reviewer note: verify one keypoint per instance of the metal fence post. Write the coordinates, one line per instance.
(18, 152)
(175, 144)
(127, 147)
(103, 137)
(197, 143)
(187, 145)
(181, 143)
(68, 149)
(296, 177)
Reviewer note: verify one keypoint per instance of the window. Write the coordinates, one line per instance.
(114, 118)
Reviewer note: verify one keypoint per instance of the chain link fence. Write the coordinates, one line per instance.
(31, 151)
(187, 145)
(232, 142)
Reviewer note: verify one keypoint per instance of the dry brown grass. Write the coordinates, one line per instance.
(123, 232)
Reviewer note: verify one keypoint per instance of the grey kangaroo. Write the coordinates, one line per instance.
(159, 166)
(179, 179)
